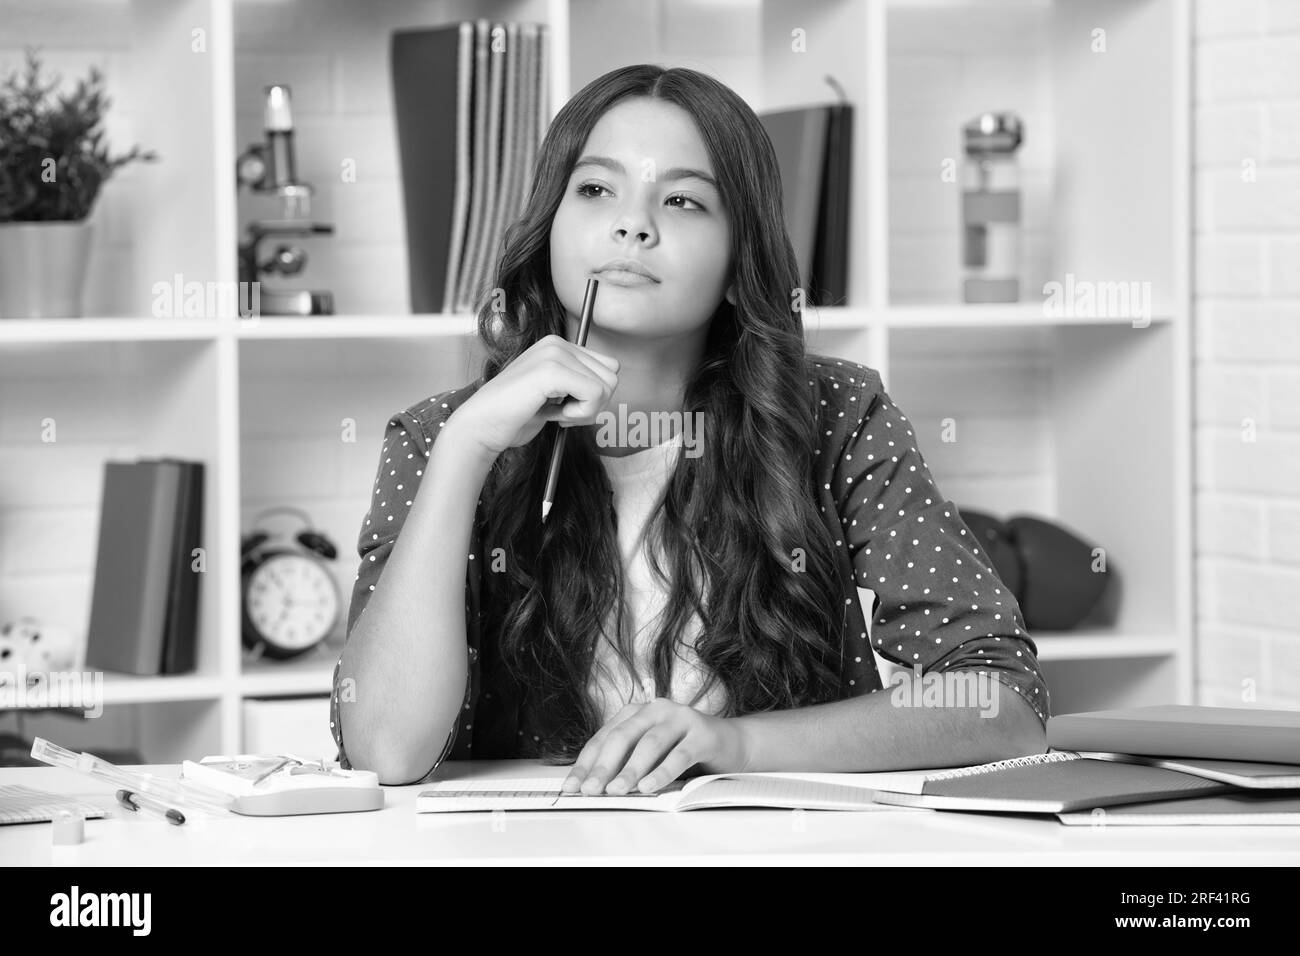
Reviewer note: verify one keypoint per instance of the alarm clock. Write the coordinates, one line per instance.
(290, 599)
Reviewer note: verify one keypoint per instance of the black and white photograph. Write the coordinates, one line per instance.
(650, 433)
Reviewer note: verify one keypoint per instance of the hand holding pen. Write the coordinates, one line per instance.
(554, 380)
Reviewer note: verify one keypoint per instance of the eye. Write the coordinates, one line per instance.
(686, 199)
(582, 191)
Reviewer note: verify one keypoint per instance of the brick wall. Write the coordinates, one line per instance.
(1246, 287)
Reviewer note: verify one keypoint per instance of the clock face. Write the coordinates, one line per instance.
(292, 601)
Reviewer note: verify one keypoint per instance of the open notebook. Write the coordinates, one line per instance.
(20, 804)
(812, 791)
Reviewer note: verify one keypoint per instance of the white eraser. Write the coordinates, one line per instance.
(69, 828)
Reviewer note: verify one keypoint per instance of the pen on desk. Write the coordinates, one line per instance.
(135, 800)
(553, 475)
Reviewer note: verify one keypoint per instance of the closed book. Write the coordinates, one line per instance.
(508, 195)
(1241, 808)
(464, 162)
(137, 532)
(431, 74)
(478, 200)
(1183, 730)
(1250, 775)
(799, 139)
(180, 639)
(831, 254)
(1049, 783)
(533, 87)
(485, 254)
(542, 71)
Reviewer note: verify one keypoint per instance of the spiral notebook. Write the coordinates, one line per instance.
(25, 805)
(1053, 782)
(780, 791)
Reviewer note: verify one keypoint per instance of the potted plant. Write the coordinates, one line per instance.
(53, 163)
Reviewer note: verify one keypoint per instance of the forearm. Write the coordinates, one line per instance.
(876, 733)
(407, 653)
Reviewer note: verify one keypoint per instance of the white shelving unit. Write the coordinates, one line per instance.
(1115, 409)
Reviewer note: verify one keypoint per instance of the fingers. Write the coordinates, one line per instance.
(606, 366)
(586, 758)
(582, 390)
(679, 760)
(652, 761)
(572, 395)
(630, 748)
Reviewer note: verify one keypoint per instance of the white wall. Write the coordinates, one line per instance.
(1247, 350)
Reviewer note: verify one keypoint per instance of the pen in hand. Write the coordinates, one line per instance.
(135, 800)
(553, 475)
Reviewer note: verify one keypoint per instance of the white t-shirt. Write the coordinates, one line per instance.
(638, 482)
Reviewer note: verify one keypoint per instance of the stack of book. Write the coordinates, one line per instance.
(1146, 766)
(471, 106)
(144, 609)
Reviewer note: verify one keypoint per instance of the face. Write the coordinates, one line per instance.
(643, 189)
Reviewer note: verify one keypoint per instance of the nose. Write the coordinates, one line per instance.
(642, 234)
(633, 220)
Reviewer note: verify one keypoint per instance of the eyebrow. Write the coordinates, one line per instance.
(671, 174)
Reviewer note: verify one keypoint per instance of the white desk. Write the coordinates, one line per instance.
(397, 835)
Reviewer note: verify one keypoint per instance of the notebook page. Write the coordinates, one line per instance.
(753, 790)
(900, 781)
(20, 804)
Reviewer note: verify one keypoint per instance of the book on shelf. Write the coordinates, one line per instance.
(813, 148)
(144, 604)
(470, 106)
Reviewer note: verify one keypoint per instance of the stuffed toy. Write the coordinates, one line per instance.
(39, 647)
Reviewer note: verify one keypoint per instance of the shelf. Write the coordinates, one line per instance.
(994, 315)
(837, 318)
(1102, 645)
(54, 331)
(360, 327)
(312, 675)
(458, 325)
(1045, 404)
(130, 689)
(134, 689)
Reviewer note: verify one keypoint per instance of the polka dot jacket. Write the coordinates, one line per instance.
(939, 604)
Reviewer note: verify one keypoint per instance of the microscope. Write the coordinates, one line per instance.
(269, 168)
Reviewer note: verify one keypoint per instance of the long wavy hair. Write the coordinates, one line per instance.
(739, 524)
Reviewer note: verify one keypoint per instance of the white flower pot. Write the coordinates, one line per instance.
(43, 269)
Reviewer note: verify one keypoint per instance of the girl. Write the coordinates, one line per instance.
(682, 609)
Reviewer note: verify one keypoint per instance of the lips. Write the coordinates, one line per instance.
(628, 265)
